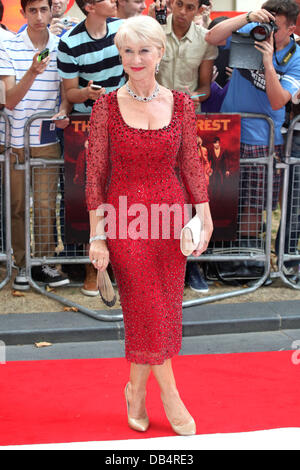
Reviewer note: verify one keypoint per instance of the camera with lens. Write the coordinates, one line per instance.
(161, 15)
(66, 22)
(243, 54)
(263, 31)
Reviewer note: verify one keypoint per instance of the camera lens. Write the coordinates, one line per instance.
(261, 32)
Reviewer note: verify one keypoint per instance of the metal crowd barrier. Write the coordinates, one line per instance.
(5, 212)
(258, 249)
(290, 209)
(34, 167)
(261, 251)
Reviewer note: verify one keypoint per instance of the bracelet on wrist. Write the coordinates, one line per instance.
(248, 17)
(97, 237)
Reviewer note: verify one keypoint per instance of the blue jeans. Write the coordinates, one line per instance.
(69, 249)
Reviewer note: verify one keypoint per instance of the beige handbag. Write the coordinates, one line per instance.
(190, 236)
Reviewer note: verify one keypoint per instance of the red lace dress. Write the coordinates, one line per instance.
(134, 171)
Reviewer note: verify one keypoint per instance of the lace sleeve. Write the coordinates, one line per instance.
(97, 165)
(191, 164)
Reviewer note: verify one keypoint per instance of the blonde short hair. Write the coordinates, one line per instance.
(141, 29)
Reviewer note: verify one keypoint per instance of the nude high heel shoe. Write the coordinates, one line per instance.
(136, 423)
(186, 429)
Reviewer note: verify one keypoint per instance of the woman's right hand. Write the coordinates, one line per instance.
(99, 254)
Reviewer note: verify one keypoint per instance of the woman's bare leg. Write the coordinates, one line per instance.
(136, 390)
(175, 410)
(177, 414)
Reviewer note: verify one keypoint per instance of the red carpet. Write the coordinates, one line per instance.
(82, 400)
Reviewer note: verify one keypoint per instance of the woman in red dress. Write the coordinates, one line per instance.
(139, 136)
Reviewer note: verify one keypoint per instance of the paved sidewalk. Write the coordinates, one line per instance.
(201, 320)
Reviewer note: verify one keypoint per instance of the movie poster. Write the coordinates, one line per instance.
(75, 148)
(218, 137)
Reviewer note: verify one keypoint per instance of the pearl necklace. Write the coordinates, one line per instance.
(141, 98)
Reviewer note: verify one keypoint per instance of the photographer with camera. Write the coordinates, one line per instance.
(60, 23)
(265, 91)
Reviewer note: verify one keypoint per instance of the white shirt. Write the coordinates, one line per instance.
(179, 67)
(4, 34)
(16, 56)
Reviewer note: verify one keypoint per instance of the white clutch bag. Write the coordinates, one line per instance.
(190, 236)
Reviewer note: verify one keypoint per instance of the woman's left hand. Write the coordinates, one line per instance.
(206, 231)
(202, 245)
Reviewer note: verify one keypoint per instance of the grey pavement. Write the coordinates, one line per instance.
(284, 340)
(207, 329)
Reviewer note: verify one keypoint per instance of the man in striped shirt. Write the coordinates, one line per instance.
(265, 91)
(33, 86)
(87, 55)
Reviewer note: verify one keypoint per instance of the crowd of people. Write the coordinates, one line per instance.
(84, 63)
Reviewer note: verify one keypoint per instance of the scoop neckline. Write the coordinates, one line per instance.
(141, 128)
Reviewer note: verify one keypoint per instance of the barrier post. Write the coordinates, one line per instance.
(2, 353)
(291, 167)
(6, 217)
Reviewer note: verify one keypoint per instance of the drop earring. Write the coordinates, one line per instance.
(157, 68)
